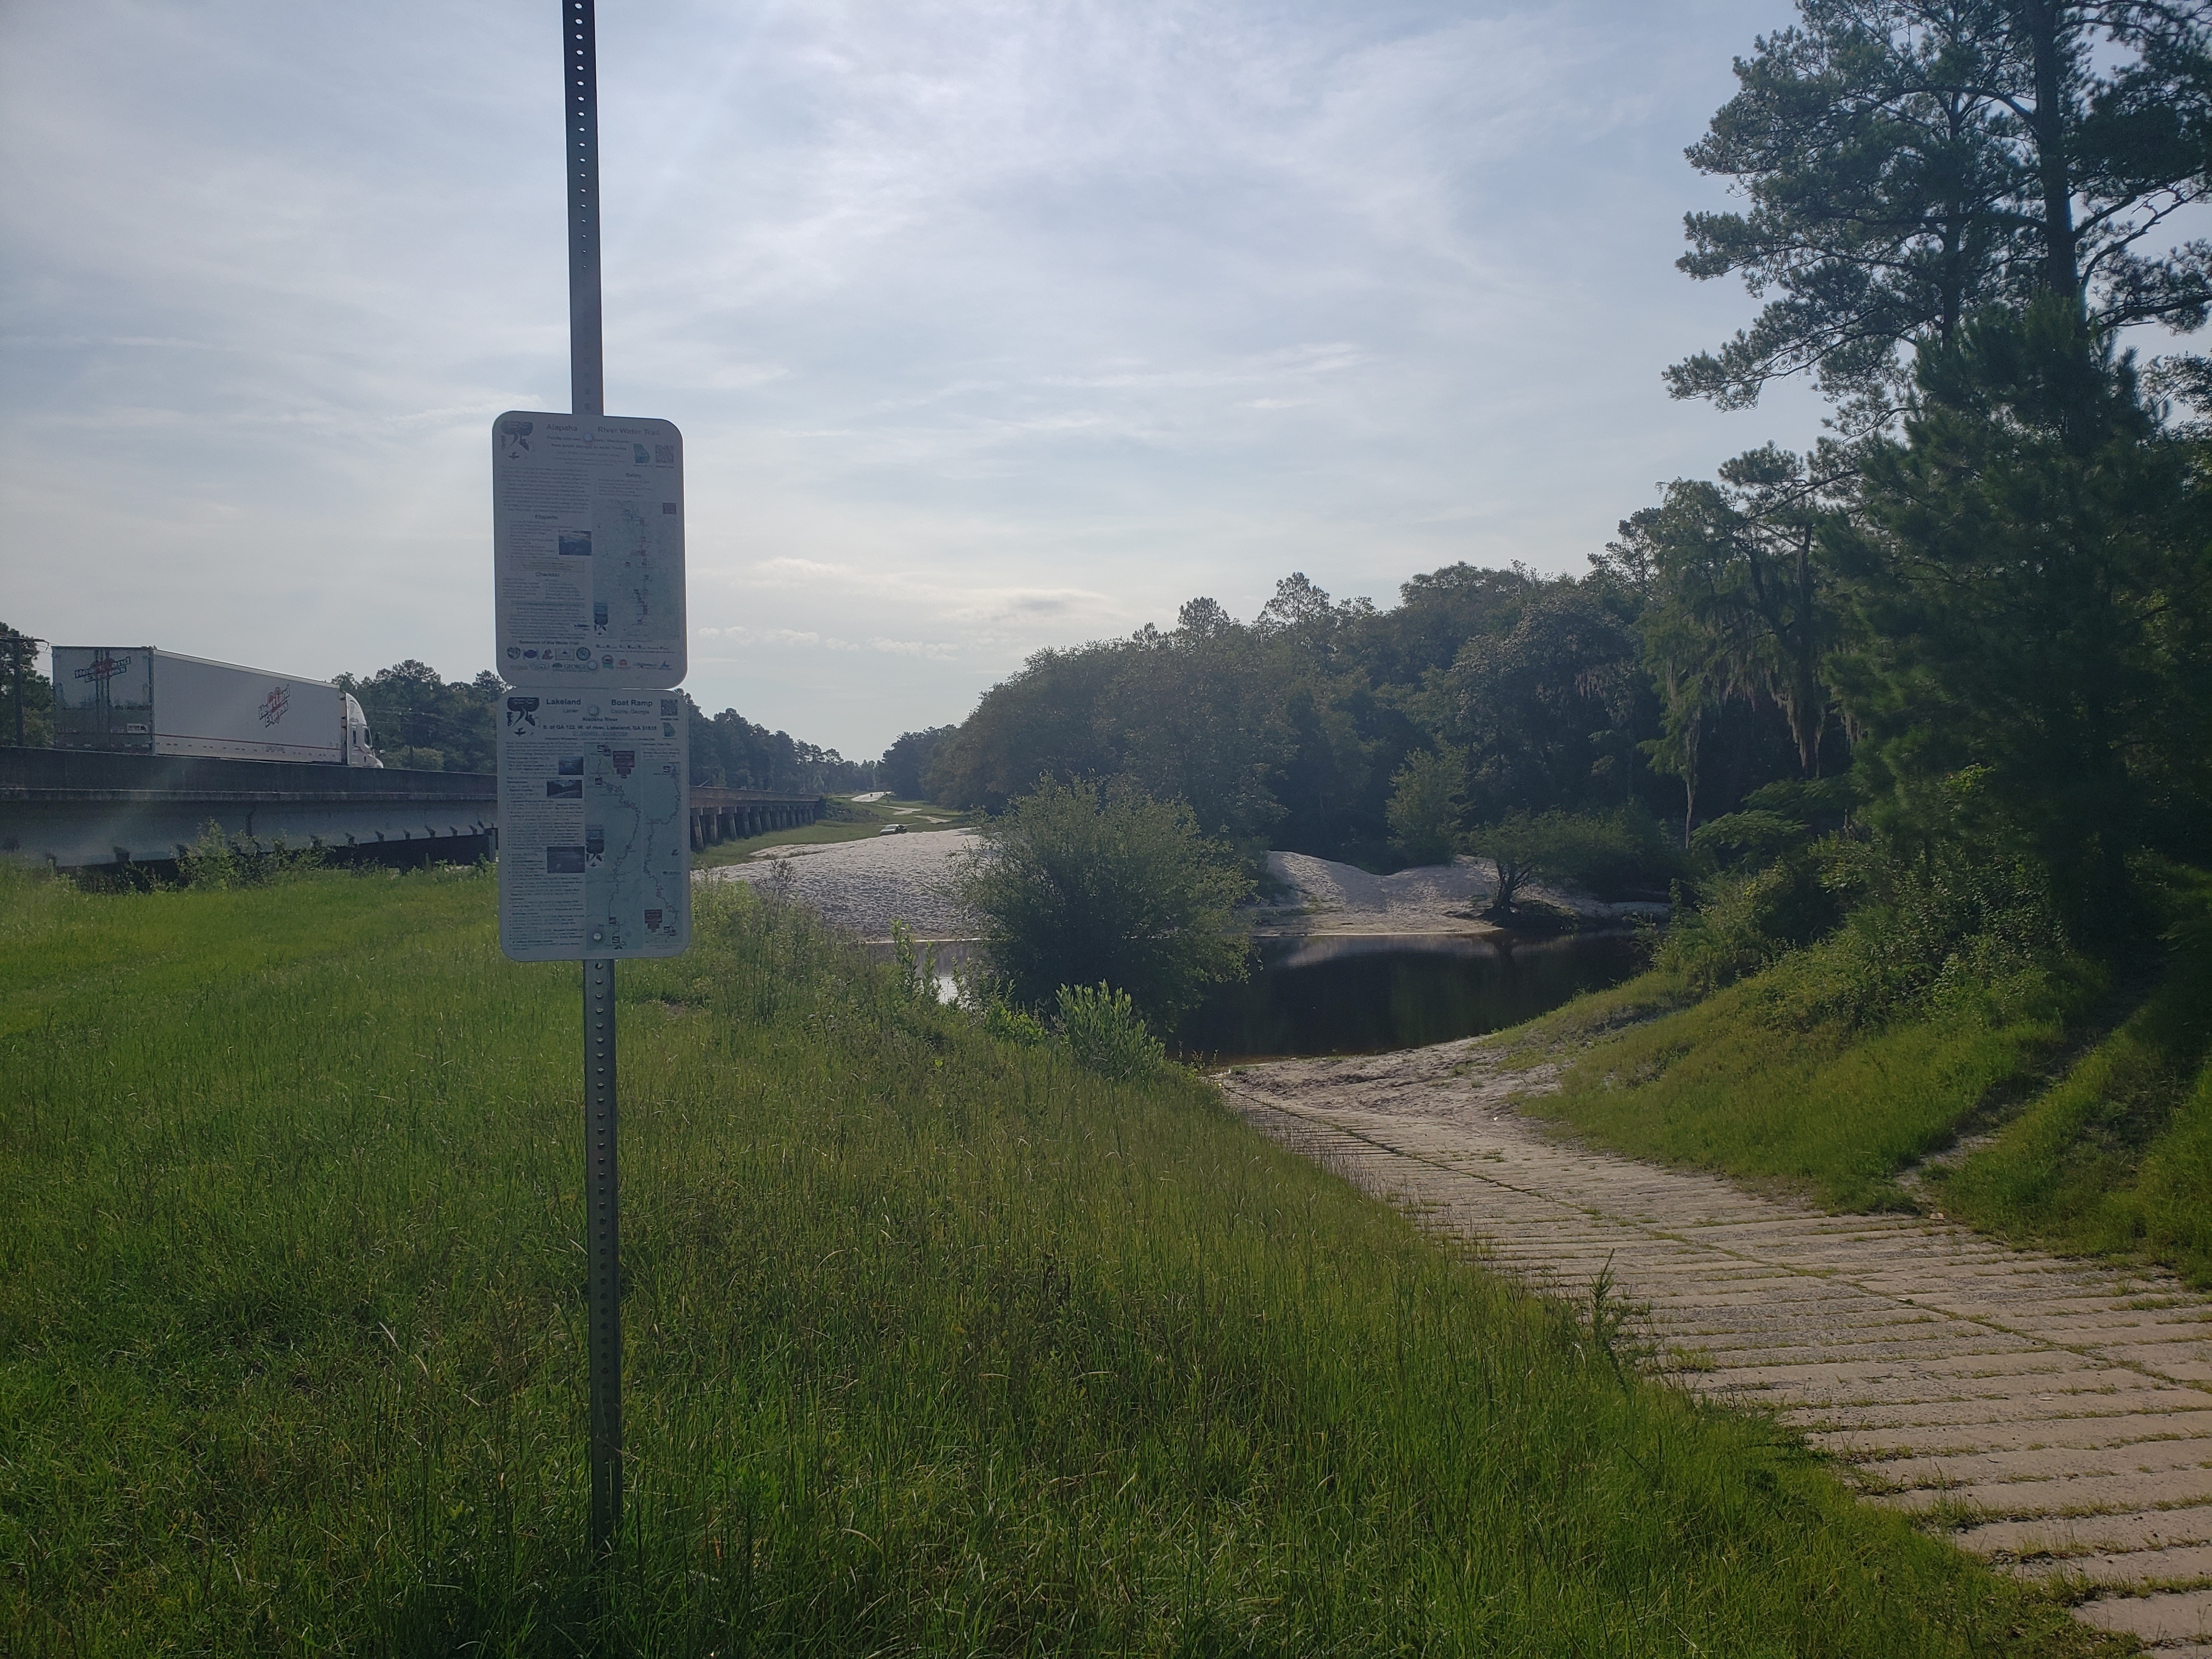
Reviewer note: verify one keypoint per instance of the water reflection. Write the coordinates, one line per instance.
(1351, 994)
(1360, 993)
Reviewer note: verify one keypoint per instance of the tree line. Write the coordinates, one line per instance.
(418, 719)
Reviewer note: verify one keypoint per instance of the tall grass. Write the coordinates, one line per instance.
(1842, 1064)
(935, 1343)
(2116, 1155)
(1759, 1080)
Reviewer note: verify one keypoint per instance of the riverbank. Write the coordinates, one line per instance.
(1321, 895)
(865, 886)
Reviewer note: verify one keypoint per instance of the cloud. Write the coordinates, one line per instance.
(991, 325)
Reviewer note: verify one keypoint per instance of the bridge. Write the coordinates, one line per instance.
(72, 809)
(719, 814)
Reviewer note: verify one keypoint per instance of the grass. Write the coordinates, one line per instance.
(1738, 1083)
(845, 819)
(2098, 1095)
(2116, 1157)
(934, 1344)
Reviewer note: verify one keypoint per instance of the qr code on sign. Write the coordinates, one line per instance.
(664, 453)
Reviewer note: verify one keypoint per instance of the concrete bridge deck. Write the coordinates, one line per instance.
(74, 809)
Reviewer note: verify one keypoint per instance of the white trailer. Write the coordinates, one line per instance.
(139, 701)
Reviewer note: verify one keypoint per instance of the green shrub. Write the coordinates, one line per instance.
(1739, 924)
(1104, 1032)
(1086, 883)
(1908, 930)
(1753, 837)
(1612, 854)
(912, 964)
(1011, 1024)
(215, 860)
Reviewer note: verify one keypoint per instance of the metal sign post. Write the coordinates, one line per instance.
(603, 1238)
(602, 1190)
(594, 764)
(586, 365)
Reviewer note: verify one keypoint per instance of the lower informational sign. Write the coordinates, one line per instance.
(594, 825)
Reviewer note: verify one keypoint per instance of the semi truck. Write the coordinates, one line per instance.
(139, 701)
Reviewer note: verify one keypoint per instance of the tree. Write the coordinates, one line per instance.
(1742, 600)
(1428, 797)
(1517, 846)
(27, 696)
(1089, 883)
(2033, 574)
(1437, 612)
(1042, 720)
(730, 752)
(1909, 162)
(1200, 717)
(1546, 713)
(418, 719)
(904, 768)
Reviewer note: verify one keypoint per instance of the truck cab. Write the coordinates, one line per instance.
(357, 752)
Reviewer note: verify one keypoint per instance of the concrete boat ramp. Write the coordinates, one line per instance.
(2053, 1416)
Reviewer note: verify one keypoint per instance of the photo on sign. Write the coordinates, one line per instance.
(564, 860)
(574, 547)
(564, 788)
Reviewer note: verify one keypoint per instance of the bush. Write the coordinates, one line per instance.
(1085, 883)
(1105, 1034)
(215, 861)
(1742, 922)
(1911, 931)
(1612, 854)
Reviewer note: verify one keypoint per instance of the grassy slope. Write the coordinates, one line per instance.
(2106, 1143)
(2117, 1155)
(933, 1345)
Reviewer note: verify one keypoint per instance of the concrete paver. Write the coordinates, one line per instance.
(2055, 1414)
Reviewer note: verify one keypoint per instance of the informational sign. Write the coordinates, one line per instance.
(595, 825)
(587, 551)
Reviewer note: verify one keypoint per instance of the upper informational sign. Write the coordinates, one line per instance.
(587, 551)
(595, 825)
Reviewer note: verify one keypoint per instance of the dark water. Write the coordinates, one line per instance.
(1367, 993)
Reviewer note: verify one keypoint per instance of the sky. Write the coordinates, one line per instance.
(990, 324)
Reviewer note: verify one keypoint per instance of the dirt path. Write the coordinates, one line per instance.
(2058, 1413)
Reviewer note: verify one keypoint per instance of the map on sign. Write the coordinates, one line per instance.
(587, 551)
(594, 825)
